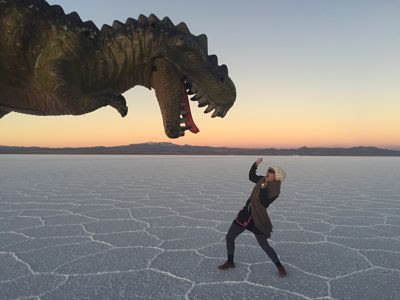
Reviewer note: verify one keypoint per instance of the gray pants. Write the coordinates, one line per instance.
(235, 230)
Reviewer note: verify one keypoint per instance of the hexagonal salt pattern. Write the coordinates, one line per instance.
(153, 227)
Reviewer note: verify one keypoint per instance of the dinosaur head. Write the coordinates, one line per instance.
(182, 68)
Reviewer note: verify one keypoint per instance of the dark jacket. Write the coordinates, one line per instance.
(243, 217)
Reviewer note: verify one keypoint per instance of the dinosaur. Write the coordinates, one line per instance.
(52, 63)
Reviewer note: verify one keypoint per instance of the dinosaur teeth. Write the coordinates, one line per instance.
(202, 98)
(194, 87)
(205, 98)
(202, 102)
(217, 112)
(223, 113)
(209, 108)
(188, 86)
(193, 91)
(200, 94)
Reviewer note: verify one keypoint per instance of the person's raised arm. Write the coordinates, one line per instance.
(252, 173)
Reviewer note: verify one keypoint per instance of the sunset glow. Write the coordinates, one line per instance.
(322, 74)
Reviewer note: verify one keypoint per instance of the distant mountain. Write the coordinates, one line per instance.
(397, 147)
(170, 148)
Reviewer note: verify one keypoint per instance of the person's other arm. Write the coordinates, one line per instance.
(252, 173)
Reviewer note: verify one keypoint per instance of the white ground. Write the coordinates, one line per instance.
(153, 227)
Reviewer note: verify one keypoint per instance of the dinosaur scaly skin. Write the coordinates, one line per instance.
(55, 64)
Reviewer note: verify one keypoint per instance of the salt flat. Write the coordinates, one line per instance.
(153, 227)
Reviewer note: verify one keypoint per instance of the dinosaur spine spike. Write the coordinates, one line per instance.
(57, 10)
(142, 20)
(224, 69)
(202, 40)
(42, 5)
(131, 22)
(167, 22)
(153, 19)
(117, 25)
(90, 25)
(74, 17)
(107, 30)
(182, 27)
(213, 59)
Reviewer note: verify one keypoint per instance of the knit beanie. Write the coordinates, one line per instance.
(280, 174)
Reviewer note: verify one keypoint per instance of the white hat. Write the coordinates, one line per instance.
(280, 174)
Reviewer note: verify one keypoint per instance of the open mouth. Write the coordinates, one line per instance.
(185, 118)
(173, 90)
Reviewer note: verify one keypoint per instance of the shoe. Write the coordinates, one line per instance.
(282, 271)
(226, 265)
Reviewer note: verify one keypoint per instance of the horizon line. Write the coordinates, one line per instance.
(390, 147)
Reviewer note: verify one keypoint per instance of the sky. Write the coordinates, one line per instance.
(316, 73)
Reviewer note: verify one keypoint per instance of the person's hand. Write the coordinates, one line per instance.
(258, 161)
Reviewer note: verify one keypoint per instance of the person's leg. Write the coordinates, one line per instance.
(231, 235)
(263, 241)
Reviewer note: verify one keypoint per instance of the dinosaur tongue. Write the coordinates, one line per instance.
(188, 116)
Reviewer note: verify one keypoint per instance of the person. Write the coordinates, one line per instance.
(254, 217)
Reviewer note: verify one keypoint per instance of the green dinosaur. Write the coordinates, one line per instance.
(56, 64)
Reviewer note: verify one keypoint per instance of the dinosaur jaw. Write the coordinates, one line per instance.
(176, 113)
(172, 89)
(172, 99)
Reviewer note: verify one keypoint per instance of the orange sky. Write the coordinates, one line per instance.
(259, 122)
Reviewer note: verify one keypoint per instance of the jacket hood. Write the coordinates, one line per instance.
(280, 174)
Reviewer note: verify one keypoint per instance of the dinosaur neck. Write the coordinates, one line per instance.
(124, 56)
